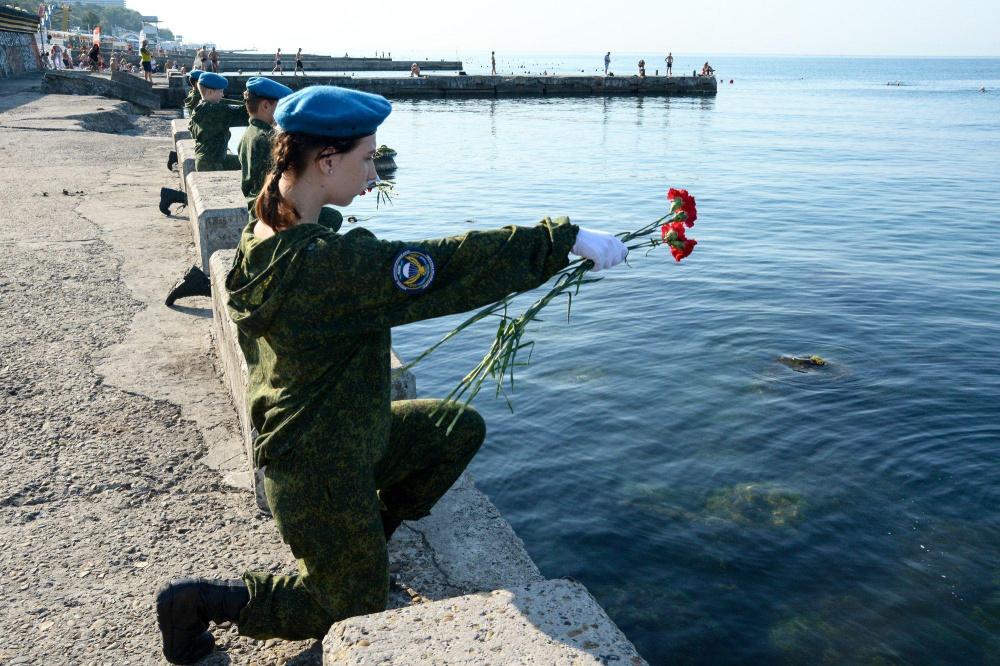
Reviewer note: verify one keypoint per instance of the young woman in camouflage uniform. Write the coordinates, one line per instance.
(344, 465)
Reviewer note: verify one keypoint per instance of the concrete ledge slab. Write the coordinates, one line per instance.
(472, 547)
(554, 622)
(179, 129)
(218, 212)
(185, 159)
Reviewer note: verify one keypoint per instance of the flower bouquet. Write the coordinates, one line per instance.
(499, 362)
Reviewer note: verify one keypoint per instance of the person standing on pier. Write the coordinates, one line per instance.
(298, 64)
(670, 63)
(607, 62)
(493, 62)
(343, 465)
(277, 63)
(214, 57)
(147, 61)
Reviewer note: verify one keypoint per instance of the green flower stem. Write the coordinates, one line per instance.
(499, 362)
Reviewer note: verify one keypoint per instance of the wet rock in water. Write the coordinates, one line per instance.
(756, 505)
(802, 363)
(385, 160)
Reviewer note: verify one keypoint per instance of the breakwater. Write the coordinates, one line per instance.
(479, 86)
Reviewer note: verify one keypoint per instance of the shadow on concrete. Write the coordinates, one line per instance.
(20, 90)
(204, 313)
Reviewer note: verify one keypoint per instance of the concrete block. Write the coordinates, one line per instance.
(179, 129)
(217, 210)
(185, 159)
(132, 81)
(554, 622)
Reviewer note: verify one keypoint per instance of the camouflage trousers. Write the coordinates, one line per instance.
(229, 163)
(331, 511)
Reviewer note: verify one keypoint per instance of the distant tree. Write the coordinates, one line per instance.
(91, 19)
(166, 34)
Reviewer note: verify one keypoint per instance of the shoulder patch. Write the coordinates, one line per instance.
(413, 271)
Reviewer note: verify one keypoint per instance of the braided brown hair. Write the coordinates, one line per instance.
(292, 152)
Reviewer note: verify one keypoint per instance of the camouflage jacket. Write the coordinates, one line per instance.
(255, 157)
(192, 99)
(210, 125)
(315, 308)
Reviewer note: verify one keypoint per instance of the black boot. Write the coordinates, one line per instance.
(171, 160)
(185, 606)
(169, 197)
(194, 283)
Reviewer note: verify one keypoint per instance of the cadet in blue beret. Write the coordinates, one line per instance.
(261, 98)
(343, 464)
(210, 123)
(194, 95)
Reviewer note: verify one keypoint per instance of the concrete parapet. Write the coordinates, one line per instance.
(217, 210)
(185, 160)
(180, 130)
(72, 82)
(553, 622)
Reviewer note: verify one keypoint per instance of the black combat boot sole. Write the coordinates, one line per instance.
(194, 283)
(186, 639)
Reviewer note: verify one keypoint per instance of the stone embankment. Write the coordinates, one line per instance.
(124, 456)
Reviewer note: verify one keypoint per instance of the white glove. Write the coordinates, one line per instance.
(603, 249)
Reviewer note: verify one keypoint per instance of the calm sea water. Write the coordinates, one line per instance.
(722, 507)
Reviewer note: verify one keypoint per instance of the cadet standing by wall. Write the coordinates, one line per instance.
(210, 125)
(343, 466)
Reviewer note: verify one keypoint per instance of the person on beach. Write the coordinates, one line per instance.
(55, 57)
(344, 466)
(277, 63)
(261, 98)
(493, 62)
(414, 69)
(642, 69)
(147, 61)
(607, 62)
(200, 58)
(299, 67)
(670, 63)
(214, 58)
(95, 57)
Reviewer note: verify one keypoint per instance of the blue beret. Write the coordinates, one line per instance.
(213, 81)
(332, 111)
(265, 87)
(194, 74)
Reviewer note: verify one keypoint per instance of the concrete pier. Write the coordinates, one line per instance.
(477, 86)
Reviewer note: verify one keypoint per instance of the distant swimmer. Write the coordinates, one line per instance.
(982, 89)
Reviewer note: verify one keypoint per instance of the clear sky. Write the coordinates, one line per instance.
(440, 28)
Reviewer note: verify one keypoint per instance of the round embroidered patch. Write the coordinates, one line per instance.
(413, 270)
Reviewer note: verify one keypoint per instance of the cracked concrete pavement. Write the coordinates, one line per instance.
(119, 448)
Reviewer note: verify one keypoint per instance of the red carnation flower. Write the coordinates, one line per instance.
(681, 252)
(684, 203)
